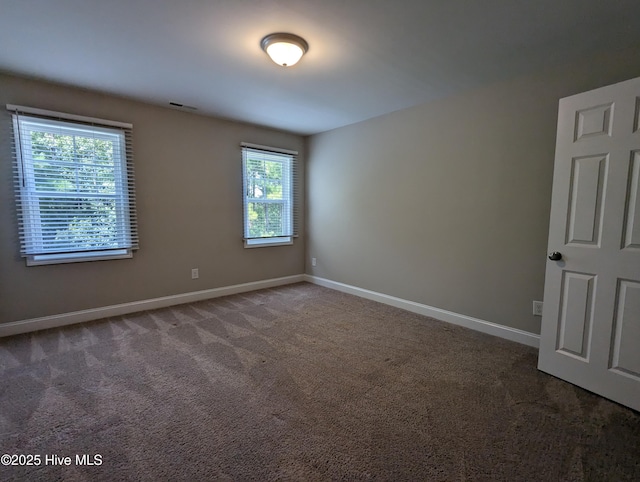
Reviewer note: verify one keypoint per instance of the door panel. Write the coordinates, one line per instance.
(591, 319)
(632, 214)
(587, 180)
(594, 121)
(576, 314)
(626, 352)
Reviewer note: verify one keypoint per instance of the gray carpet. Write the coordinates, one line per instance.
(299, 383)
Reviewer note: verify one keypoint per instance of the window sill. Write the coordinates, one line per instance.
(267, 242)
(44, 259)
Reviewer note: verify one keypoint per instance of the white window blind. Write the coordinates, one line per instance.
(74, 185)
(269, 195)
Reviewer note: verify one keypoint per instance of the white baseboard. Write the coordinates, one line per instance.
(513, 334)
(54, 321)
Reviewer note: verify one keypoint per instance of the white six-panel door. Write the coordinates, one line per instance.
(591, 318)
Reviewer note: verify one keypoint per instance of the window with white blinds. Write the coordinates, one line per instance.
(74, 187)
(269, 195)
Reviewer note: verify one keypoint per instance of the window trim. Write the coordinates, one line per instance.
(68, 117)
(63, 258)
(30, 224)
(291, 203)
(265, 242)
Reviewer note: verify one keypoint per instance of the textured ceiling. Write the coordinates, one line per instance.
(366, 57)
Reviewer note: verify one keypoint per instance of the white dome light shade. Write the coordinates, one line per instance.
(285, 54)
(285, 49)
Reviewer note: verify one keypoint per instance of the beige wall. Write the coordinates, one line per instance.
(188, 180)
(447, 203)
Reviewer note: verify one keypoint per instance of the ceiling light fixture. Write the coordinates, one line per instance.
(285, 49)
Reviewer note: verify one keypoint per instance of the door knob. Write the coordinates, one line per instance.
(555, 256)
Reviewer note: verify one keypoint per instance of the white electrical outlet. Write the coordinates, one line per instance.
(313, 261)
(195, 274)
(537, 308)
